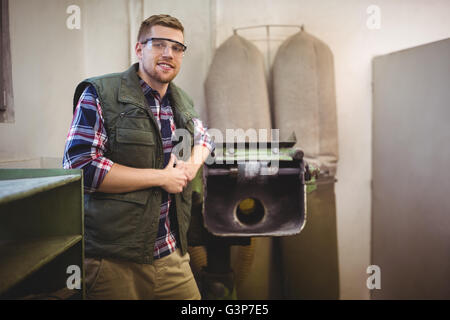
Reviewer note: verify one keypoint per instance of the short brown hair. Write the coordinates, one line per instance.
(158, 20)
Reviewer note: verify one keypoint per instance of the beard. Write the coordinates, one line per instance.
(159, 76)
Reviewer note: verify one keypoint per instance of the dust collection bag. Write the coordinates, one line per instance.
(236, 87)
(304, 98)
(304, 103)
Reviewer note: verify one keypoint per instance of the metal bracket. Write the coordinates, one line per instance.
(268, 39)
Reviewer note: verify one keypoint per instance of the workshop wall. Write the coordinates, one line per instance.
(48, 61)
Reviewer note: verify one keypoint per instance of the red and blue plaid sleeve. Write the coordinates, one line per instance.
(201, 135)
(87, 141)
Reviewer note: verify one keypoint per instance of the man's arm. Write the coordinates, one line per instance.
(126, 179)
(87, 141)
(86, 144)
(203, 146)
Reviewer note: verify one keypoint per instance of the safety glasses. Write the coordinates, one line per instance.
(159, 45)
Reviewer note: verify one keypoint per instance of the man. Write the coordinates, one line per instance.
(137, 193)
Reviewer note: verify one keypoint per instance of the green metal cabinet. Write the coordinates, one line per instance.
(41, 234)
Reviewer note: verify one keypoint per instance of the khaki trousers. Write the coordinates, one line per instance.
(169, 278)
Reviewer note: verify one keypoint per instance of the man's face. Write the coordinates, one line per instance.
(160, 66)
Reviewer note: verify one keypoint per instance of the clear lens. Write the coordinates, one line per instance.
(159, 46)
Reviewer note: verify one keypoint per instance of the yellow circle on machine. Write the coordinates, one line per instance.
(247, 206)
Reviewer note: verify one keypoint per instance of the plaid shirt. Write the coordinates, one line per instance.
(87, 141)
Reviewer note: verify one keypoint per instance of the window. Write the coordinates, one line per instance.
(6, 91)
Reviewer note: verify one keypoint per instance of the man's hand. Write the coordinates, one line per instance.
(121, 179)
(175, 178)
(189, 168)
(198, 156)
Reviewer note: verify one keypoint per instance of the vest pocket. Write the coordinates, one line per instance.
(135, 148)
(115, 217)
(133, 136)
